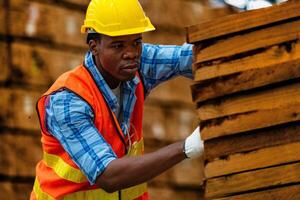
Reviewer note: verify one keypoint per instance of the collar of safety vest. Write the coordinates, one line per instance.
(109, 96)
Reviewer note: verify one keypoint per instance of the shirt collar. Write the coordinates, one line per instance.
(109, 96)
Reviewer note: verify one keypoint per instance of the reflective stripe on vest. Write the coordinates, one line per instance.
(127, 194)
(38, 192)
(68, 172)
(63, 169)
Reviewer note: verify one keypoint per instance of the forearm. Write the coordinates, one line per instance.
(128, 171)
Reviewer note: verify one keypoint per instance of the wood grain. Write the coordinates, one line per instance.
(286, 193)
(40, 66)
(280, 63)
(263, 178)
(46, 22)
(18, 109)
(261, 158)
(4, 69)
(251, 102)
(248, 41)
(275, 55)
(249, 121)
(19, 153)
(242, 21)
(252, 140)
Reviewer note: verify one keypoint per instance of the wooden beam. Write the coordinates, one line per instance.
(248, 41)
(247, 181)
(261, 158)
(246, 80)
(275, 55)
(40, 66)
(286, 193)
(247, 73)
(50, 23)
(19, 153)
(249, 121)
(242, 21)
(252, 140)
(4, 69)
(252, 102)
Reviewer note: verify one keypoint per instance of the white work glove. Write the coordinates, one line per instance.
(193, 145)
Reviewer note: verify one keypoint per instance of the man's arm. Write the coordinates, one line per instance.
(160, 63)
(128, 171)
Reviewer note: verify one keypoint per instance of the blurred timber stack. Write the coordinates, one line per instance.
(247, 91)
(39, 40)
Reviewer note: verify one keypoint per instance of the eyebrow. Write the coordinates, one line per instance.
(121, 41)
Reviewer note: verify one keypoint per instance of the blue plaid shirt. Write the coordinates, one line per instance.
(70, 119)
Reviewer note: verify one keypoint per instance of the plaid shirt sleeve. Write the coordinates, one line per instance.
(70, 120)
(163, 62)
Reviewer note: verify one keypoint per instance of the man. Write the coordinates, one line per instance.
(91, 117)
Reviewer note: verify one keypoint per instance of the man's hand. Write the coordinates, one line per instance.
(193, 146)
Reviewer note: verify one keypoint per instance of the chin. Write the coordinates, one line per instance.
(127, 78)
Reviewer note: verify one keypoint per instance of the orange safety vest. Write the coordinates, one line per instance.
(57, 176)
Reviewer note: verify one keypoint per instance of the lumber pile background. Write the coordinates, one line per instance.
(40, 40)
(247, 92)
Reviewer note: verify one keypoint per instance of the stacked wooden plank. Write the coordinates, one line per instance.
(247, 91)
(39, 41)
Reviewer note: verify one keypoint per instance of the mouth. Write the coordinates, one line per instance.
(131, 67)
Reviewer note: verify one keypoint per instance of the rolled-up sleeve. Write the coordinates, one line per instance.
(163, 62)
(70, 120)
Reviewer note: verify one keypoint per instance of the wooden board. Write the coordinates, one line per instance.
(164, 37)
(83, 3)
(194, 177)
(259, 100)
(19, 153)
(183, 120)
(242, 21)
(272, 56)
(246, 73)
(154, 123)
(252, 140)
(173, 93)
(249, 121)
(19, 109)
(258, 179)
(4, 106)
(38, 65)
(176, 13)
(4, 69)
(157, 116)
(2, 20)
(261, 158)
(286, 193)
(248, 41)
(47, 22)
(165, 192)
(15, 190)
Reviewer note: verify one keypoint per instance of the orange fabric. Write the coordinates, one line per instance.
(81, 82)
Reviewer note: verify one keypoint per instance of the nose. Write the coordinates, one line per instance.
(130, 53)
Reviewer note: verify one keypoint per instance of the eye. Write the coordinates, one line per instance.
(138, 42)
(117, 45)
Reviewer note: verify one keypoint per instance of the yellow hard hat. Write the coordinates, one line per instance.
(116, 18)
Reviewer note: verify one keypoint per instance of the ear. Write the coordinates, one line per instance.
(93, 47)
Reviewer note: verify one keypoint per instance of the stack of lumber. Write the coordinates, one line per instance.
(247, 92)
(39, 40)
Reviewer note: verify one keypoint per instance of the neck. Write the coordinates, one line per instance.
(110, 80)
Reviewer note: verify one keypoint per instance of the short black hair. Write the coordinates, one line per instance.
(93, 36)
